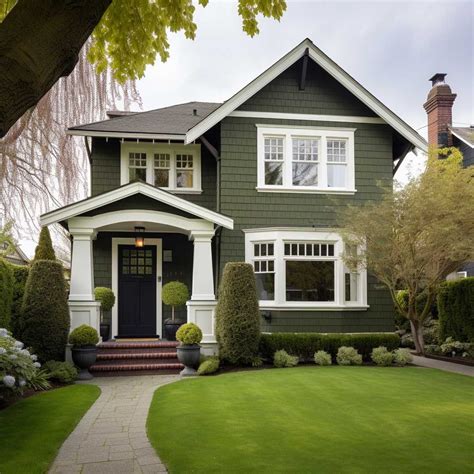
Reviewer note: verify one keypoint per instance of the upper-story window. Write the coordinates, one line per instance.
(175, 168)
(305, 159)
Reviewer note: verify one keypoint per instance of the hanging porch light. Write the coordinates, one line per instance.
(139, 237)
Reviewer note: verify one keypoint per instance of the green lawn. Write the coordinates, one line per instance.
(317, 419)
(33, 430)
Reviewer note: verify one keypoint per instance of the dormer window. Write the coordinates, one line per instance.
(174, 167)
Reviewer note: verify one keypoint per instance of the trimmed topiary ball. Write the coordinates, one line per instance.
(106, 297)
(174, 293)
(83, 335)
(44, 250)
(45, 313)
(189, 334)
(237, 315)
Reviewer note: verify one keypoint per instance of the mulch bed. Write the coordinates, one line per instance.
(455, 360)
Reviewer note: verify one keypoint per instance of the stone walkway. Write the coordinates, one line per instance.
(442, 365)
(111, 438)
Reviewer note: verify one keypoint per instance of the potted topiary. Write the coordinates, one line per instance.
(174, 293)
(107, 300)
(189, 351)
(84, 351)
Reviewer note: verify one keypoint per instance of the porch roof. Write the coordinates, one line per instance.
(89, 204)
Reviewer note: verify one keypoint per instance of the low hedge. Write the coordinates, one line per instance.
(304, 345)
(456, 310)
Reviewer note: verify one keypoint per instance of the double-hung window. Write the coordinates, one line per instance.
(305, 159)
(303, 270)
(174, 167)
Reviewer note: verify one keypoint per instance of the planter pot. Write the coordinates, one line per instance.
(189, 356)
(170, 327)
(84, 357)
(105, 331)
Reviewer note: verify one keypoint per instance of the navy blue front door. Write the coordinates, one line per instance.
(137, 291)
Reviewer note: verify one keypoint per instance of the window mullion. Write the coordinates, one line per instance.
(287, 161)
(323, 176)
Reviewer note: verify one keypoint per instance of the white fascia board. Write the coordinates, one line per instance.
(308, 117)
(333, 69)
(132, 135)
(130, 190)
(462, 139)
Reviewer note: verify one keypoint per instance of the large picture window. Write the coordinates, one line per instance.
(176, 168)
(305, 159)
(303, 270)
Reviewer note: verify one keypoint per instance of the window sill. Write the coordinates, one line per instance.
(268, 306)
(182, 191)
(304, 190)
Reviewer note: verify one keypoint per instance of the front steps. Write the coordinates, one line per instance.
(136, 358)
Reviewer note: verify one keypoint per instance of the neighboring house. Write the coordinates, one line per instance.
(15, 255)
(441, 133)
(257, 178)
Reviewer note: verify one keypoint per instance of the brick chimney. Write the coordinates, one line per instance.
(439, 106)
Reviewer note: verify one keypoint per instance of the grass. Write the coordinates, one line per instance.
(32, 430)
(310, 419)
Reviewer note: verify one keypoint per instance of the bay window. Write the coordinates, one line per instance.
(305, 159)
(174, 167)
(303, 270)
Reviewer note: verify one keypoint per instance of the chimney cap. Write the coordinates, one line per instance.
(438, 78)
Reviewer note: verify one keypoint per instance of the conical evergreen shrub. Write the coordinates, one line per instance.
(45, 313)
(44, 250)
(6, 293)
(237, 314)
(20, 275)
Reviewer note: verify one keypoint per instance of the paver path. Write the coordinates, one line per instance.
(111, 437)
(442, 365)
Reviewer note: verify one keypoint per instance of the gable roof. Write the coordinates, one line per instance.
(168, 122)
(329, 66)
(130, 189)
(465, 134)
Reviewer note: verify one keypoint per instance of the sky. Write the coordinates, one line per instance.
(391, 47)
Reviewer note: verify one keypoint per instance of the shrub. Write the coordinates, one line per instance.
(304, 345)
(257, 362)
(433, 349)
(6, 293)
(209, 366)
(189, 334)
(19, 369)
(20, 275)
(83, 335)
(237, 314)
(62, 372)
(44, 250)
(402, 356)
(456, 310)
(45, 313)
(322, 358)
(281, 359)
(348, 356)
(174, 293)
(381, 356)
(457, 348)
(105, 296)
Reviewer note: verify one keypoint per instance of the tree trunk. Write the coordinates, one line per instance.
(39, 43)
(417, 333)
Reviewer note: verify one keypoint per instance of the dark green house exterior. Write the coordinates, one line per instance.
(259, 178)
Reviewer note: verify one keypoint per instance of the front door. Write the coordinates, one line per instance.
(137, 291)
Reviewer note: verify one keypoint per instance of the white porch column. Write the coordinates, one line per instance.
(82, 305)
(201, 306)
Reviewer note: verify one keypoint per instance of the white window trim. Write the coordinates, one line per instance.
(172, 149)
(278, 237)
(323, 133)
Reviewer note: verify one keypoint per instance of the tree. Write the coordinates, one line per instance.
(6, 294)
(40, 40)
(44, 250)
(415, 236)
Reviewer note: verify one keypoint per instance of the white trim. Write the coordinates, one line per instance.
(323, 135)
(329, 66)
(116, 241)
(308, 117)
(280, 236)
(172, 149)
(133, 135)
(471, 145)
(131, 189)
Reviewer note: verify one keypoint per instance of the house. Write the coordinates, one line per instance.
(178, 192)
(15, 255)
(441, 133)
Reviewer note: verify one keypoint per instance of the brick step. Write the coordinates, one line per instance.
(135, 366)
(113, 345)
(136, 355)
(147, 353)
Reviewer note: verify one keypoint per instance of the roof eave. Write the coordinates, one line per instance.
(131, 135)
